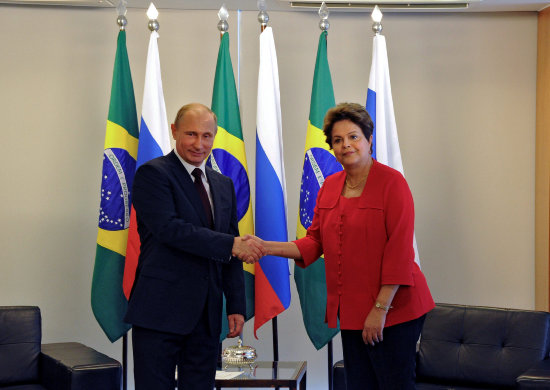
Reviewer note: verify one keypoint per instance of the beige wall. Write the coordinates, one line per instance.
(464, 89)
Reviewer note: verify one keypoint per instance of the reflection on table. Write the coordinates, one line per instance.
(268, 374)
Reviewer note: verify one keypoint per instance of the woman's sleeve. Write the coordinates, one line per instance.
(398, 259)
(310, 246)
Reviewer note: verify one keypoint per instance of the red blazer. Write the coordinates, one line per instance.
(367, 242)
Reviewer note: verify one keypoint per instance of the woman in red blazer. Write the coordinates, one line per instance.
(364, 225)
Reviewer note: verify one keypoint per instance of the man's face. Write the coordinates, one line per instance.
(194, 135)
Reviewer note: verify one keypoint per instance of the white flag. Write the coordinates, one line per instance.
(380, 107)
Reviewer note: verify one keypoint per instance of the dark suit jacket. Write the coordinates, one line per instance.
(183, 265)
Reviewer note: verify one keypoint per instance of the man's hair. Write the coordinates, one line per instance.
(194, 107)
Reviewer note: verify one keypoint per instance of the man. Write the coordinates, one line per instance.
(187, 223)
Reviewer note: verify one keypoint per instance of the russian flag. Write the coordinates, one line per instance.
(272, 287)
(154, 141)
(380, 107)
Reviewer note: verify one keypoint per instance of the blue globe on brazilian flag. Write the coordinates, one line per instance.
(224, 162)
(318, 164)
(114, 209)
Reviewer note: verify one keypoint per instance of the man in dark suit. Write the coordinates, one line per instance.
(187, 223)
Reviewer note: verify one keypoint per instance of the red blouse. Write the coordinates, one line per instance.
(367, 242)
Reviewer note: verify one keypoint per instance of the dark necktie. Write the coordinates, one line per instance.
(197, 173)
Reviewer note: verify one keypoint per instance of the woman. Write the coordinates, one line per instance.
(364, 225)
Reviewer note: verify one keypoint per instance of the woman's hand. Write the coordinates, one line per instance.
(374, 326)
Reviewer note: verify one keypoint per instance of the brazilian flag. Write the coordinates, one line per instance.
(319, 162)
(228, 157)
(119, 165)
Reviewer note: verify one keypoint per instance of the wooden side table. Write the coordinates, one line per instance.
(292, 375)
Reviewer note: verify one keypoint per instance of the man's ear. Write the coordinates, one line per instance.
(174, 130)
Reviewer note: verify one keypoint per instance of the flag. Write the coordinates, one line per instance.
(272, 273)
(319, 162)
(154, 141)
(380, 107)
(119, 165)
(228, 157)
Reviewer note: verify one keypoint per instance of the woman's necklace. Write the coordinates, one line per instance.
(360, 182)
(352, 187)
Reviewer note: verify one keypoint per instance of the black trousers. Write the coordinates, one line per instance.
(388, 365)
(156, 355)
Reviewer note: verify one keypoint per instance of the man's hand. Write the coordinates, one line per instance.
(248, 250)
(236, 322)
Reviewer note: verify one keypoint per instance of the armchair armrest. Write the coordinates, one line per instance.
(537, 377)
(74, 366)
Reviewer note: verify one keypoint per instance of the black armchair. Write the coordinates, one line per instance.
(26, 364)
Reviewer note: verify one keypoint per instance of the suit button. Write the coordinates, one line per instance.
(205, 277)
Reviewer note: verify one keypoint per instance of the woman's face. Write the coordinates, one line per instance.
(351, 147)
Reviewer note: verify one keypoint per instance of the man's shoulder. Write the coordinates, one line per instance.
(215, 175)
(161, 162)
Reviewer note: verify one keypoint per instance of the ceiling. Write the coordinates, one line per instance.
(284, 5)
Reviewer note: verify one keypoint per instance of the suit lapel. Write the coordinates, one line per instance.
(218, 197)
(184, 179)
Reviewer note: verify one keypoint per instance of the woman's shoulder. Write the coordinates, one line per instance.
(334, 177)
(385, 172)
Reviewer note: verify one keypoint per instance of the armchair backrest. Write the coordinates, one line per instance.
(481, 345)
(20, 338)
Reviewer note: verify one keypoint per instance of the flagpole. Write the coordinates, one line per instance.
(223, 27)
(376, 17)
(324, 25)
(122, 22)
(223, 15)
(125, 361)
(263, 18)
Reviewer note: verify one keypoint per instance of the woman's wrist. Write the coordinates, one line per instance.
(380, 306)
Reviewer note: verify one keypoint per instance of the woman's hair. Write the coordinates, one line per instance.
(353, 112)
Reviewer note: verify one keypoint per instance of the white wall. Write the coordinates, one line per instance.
(464, 96)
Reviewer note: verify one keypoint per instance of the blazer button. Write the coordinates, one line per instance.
(205, 277)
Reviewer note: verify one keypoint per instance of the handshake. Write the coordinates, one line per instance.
(249, 249)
